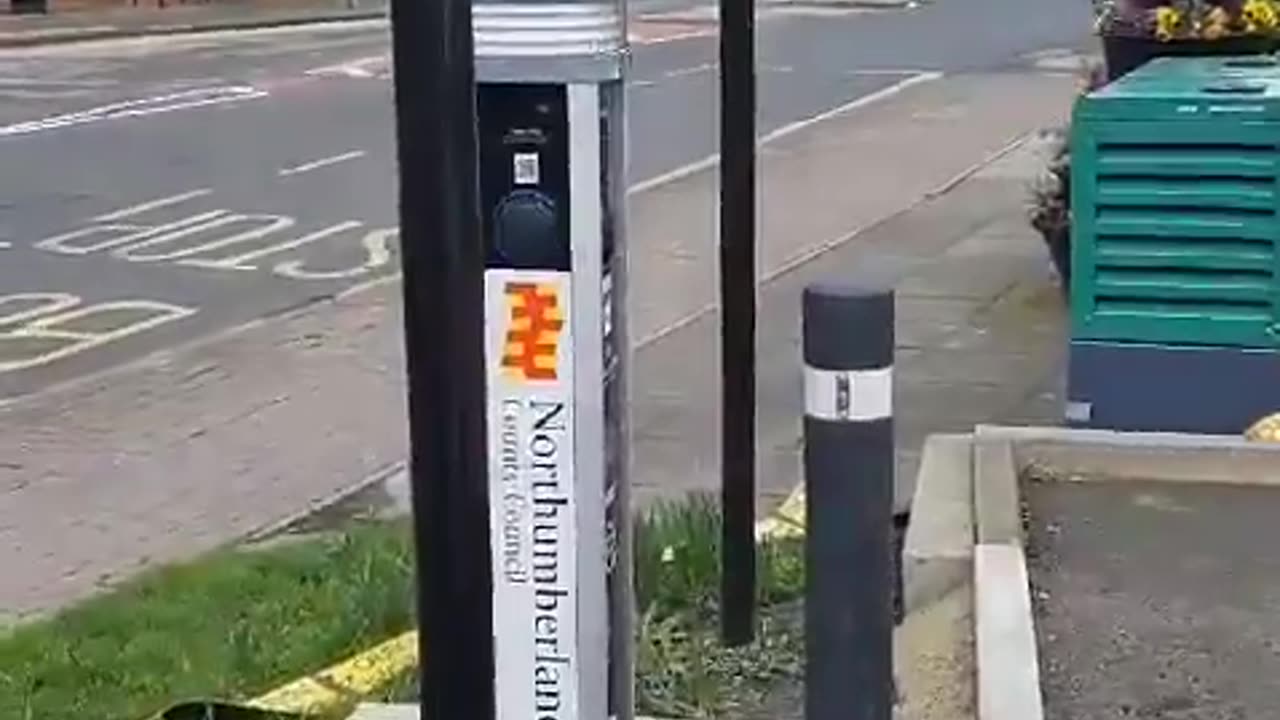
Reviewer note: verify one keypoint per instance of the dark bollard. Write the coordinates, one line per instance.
(849, 465)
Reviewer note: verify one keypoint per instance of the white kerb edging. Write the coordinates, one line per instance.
(848, 395)
(1008, 666)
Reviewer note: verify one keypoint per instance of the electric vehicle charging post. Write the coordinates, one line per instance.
(512, 159)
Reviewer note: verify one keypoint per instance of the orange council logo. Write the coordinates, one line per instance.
(534, 332)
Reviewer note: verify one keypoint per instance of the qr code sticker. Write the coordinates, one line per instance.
(526, 169)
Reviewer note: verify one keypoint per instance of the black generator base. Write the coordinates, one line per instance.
(1155, 388)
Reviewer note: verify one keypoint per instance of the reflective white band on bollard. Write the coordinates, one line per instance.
(848, 395)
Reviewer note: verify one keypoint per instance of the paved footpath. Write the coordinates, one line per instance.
(196, 446)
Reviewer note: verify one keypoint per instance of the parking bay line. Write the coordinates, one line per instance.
(712, 160)
(321, 163)
(152, 205)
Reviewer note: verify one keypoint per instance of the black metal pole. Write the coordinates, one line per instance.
(848, 465)
(738, 318)
(443, 265)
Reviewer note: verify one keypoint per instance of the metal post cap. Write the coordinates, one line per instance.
(848, 327)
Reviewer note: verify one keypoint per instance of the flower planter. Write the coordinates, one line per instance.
(1123, 53)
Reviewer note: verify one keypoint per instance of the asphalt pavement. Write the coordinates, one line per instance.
(156, 190)
(196, 212)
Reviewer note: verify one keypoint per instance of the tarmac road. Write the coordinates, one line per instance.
(156, 190)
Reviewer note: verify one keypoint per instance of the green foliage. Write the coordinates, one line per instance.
(229, 625)
(682, 668)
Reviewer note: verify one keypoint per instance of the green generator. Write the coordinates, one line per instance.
(1175, 292)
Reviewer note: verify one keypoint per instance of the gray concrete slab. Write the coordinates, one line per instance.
(996, 503)
(1156, 599)
(938, 553)
(1008, 676)
(1170, 457)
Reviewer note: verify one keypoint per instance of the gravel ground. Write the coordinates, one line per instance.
(1156, 600)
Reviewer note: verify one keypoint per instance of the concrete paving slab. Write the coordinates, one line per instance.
(938, 553)
(1008, 678)
(996, 504)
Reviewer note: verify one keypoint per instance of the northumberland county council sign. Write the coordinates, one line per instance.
(531, 493)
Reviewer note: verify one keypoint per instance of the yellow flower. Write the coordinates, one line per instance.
(1260, 14)
(1167, 21)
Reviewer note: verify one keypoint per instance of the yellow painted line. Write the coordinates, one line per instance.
(347, 683)
(1265, 430)
(787, 522)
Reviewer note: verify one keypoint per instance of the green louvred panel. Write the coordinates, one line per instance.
(1176, 205)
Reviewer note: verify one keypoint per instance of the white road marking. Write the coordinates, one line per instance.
(886, 71)
(49, 323)
(49, 303)
(187, 99)
(270, 224)
(674, 37)
(5, 245)
(141, 243)
(357, 68)
(241, 261)
(50, 83)
(712, 160)
(152, 205)
(58, 243)
(377, 246)
(323, 162)
(693, 70)
(118, 48)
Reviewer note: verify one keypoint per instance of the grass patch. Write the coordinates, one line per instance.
(234, 624)
(229, 625)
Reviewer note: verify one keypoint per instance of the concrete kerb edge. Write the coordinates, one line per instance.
(70, 36)
(1008, 669)
(1007, 662)
(1008, 683)
(937, 554)
(341, 495)
(1098, 455)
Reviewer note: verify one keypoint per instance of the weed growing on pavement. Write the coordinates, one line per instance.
(229, 625)
(682, 669)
